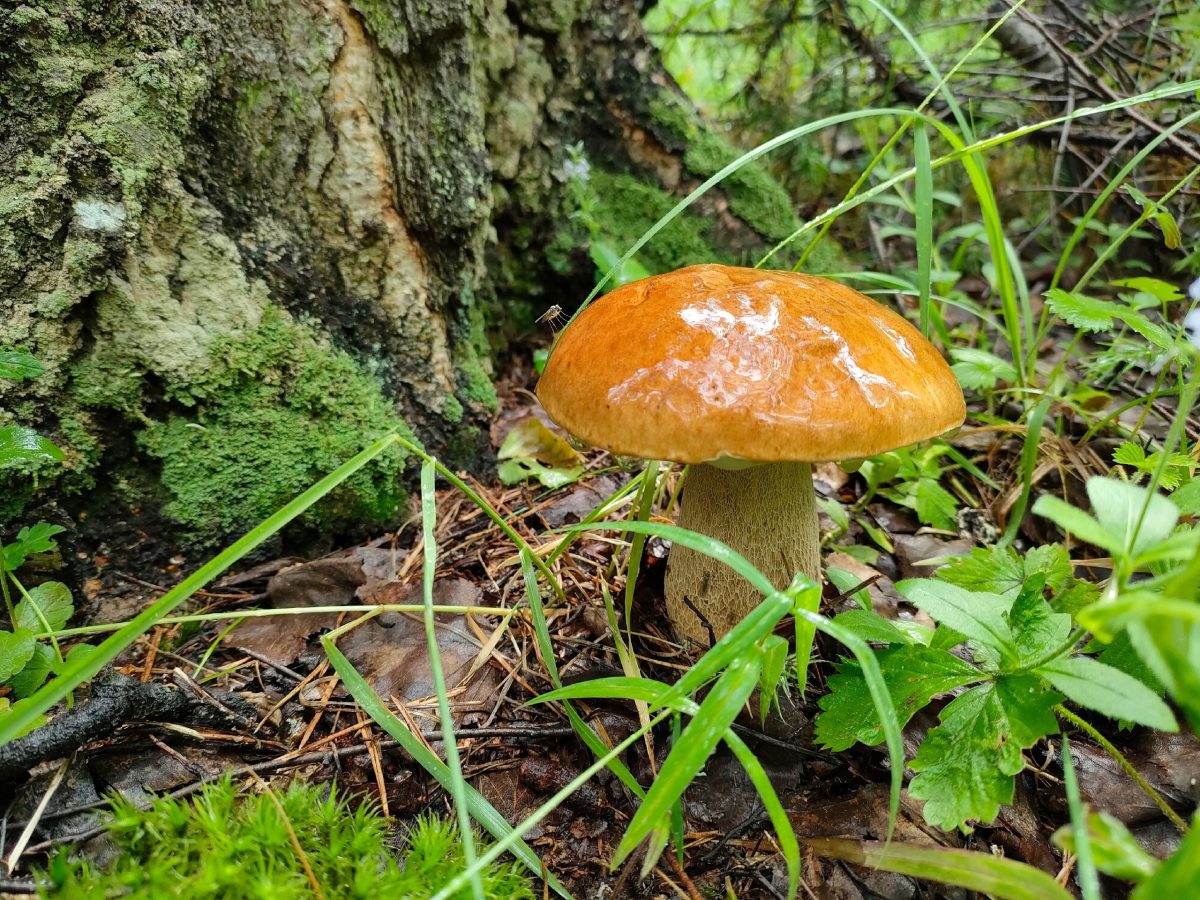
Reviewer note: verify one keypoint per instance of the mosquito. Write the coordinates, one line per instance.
(551, 316)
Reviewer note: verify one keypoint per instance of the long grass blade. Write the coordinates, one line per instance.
(458, 784)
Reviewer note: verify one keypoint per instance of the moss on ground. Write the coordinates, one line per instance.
(754, 196)
(277, 410)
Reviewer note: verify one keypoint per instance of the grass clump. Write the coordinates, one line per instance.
(278, 412)
(298, 844)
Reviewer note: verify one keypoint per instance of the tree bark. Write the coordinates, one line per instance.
(246, 238)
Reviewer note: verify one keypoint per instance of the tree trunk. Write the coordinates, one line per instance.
(246, 238)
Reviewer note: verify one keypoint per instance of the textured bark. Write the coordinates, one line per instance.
(766, 513)
(282, 227)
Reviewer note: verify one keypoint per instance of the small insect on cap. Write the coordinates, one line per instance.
(712, 363)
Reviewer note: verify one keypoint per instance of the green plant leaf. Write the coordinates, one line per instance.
(913, 675)
(875, 628)
(774, 660)
(1119, 506)
(1130, 454)
(1075, 521)
(1187, 498)
(1001, 570)
(19, 444)
(980, 370)
(19, 365)
(977, 615)
(35, 673)
(935, 505)
(1038, 629)
(1163, 291)
(1115, 850)
(53, 600)
(514, 471)
(16, 649)
(30, 540)
(1085, 313)
(966, 765)
(1109, 691)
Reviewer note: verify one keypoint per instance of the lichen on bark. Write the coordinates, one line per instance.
(379, 181)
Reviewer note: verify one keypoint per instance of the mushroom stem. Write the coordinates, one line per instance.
(768, 514)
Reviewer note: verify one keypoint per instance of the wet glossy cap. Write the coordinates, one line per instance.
(713, 362)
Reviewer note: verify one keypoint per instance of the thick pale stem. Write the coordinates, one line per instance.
(768, 514)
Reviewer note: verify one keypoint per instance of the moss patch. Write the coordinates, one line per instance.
(625, 209)
(754, 196)
(277, 410)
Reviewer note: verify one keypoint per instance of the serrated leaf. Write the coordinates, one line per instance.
(31, 539)
(966, 765)
(1119, 505)
(16, 649)
(1000, 570)
(53, 601)
(1130, 454)
(19, 365)
(980, 370)
(1085, 313)
(19, 444)
(977, 615)
(935, 505)
(1038, 629)
(914, 675)
(1109, 691)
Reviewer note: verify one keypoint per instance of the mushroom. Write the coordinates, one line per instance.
(750, 376)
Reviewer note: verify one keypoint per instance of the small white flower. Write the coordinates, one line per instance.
(579, 168)
(1194, 291)
(1191, 322)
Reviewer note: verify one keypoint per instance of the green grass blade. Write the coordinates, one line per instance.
(458, 785)
(546, 649)
(700, 737)
(784, 832)
(1089, 879)
(1029, 453)
(83, 667)
(641, 511)
(924, 223)
(760, 622)
(995, 876)
(481, 810)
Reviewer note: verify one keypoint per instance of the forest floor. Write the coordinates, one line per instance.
(266, 700)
